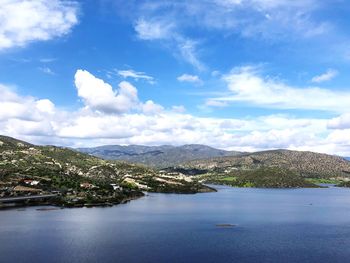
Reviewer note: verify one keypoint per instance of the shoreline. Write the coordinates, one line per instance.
(56, 206)
(7, 206)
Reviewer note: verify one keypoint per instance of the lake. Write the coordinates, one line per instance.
(271, 225)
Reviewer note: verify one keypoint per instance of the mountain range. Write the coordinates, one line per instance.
(274, 168)
(157, 156)
(196, 158)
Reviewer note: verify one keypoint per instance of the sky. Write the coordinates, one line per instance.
(244, 75)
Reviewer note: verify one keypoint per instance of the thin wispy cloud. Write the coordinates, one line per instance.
(167, 32)
(170, 22)
(47, 70)
(189, 78)
(47, 60)
(129, 73)
(328, 75)
(153, 30)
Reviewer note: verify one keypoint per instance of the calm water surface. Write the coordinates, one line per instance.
(297, 225)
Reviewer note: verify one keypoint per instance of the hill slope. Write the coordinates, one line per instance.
(306, 164)
(77, 177)
(157, 156)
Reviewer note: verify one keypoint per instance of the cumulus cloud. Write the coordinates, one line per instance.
(100, 96)
(24, 108)
(21, 116)
(246, 85)
(189, 78)
(341, 122)
(149, 107)
(40, 121)
(328, 75)
(45, 106)
(25, 21)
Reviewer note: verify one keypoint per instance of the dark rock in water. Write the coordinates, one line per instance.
(48, 209)
(225, 225)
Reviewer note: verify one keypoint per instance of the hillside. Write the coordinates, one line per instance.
(306, 164)
(263, 177)
(157, 156)
(79, 178)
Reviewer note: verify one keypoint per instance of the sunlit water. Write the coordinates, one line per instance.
(271, 225)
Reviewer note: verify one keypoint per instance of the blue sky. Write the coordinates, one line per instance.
(235, 74)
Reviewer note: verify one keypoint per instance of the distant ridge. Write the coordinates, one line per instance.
(157, 156)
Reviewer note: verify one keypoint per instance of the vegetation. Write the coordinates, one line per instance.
(264, 177)
(323, 181)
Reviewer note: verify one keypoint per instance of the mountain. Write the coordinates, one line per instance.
(157, 156)
(347, 158)
(306, 164)
(79, 178)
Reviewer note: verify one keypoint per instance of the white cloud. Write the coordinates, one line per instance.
(188, 50)
(45, 106)
(166, 31)
(24, 21)
(24, 108)
(328, 75)
(341, 122)
(340, 137)
(152, 30)
(189, 78)
(47, 60)
(276, 19)
(39, 121)
(100, 96)
(171, 22)
(135, 75)
(178, 108)
(247, 86)
(149, 107)
(216, 103)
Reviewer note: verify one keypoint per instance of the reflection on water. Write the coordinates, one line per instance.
(268, 225)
